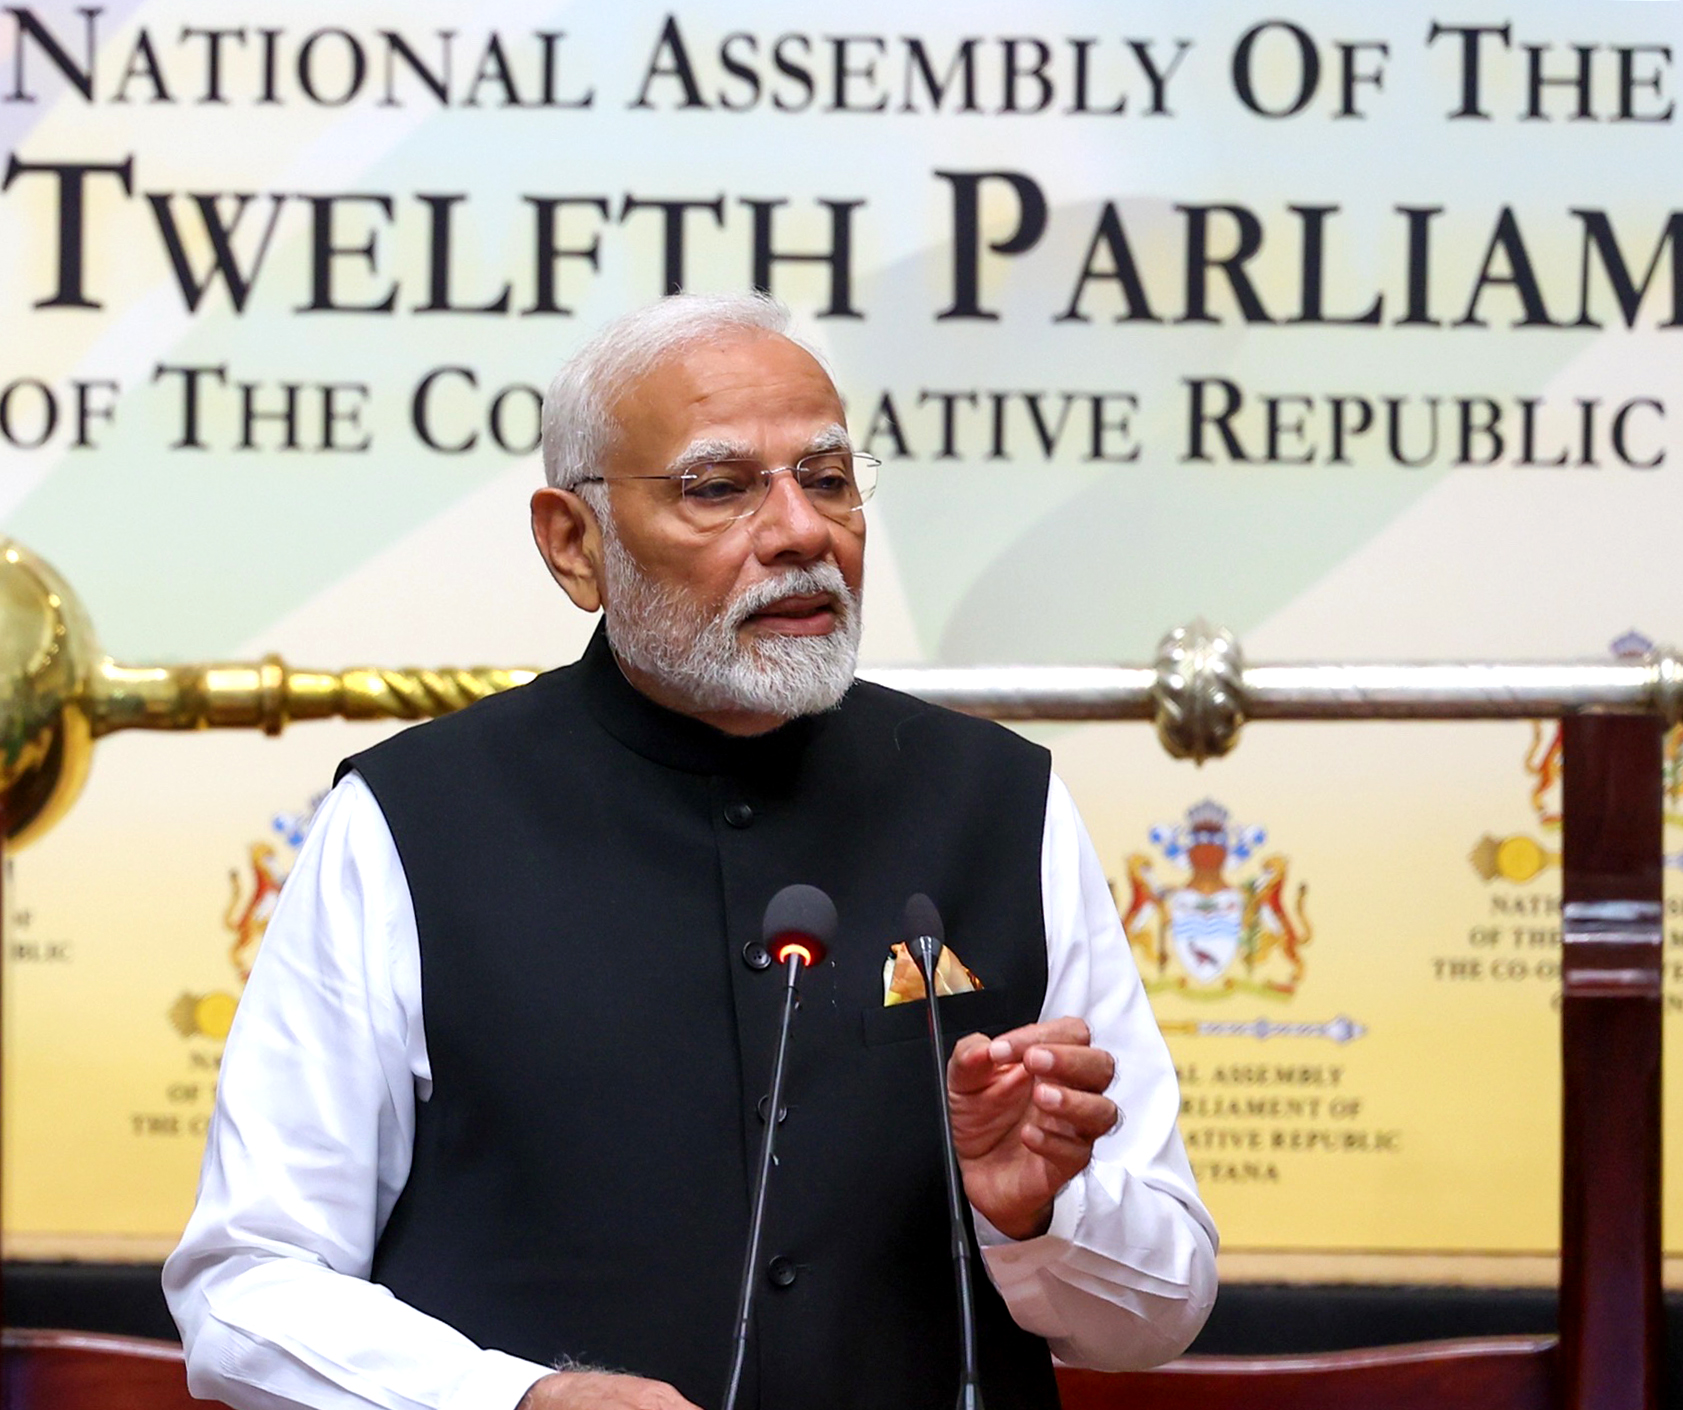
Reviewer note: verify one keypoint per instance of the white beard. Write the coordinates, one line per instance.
(655, 629)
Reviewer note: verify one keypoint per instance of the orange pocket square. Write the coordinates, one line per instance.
(902, 983)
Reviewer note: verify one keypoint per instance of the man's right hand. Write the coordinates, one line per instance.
(601, 1390)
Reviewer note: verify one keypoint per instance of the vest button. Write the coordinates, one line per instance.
(765, 1106)
(756, 956)
(738, 814)
(782, 1271)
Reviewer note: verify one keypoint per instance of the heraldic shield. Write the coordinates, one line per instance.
(1210, 934)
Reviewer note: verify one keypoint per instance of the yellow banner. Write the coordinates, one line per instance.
(1353, 330)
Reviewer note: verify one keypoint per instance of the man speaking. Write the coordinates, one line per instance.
(486, 1122)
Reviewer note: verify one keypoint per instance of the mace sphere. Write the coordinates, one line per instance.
(48, 657)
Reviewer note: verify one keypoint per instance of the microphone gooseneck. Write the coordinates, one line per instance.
(924, 937)
(800, 921)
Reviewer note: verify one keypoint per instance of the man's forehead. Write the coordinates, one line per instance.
(700, 363)
(745, 375)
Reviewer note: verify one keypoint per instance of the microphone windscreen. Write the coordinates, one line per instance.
(799, 911)
(920, 919)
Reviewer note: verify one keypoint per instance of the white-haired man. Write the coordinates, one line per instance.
(538, 1194)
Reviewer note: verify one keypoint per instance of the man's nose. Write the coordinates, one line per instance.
(787, 525)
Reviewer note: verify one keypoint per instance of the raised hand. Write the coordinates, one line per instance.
(1027, 1107)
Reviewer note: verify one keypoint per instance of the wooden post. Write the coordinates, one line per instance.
(1611, 1314)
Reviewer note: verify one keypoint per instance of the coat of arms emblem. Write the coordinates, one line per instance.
(250, 904)
(1519, 857)
(1210, 933)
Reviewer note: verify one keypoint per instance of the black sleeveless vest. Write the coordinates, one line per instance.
(589, 873)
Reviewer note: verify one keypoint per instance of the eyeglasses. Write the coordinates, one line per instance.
(714, 493)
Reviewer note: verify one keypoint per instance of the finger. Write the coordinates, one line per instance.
(1010, 1047)
(1086, 1068)
(971, 1066)
(1067, 1155)
(994, 1089)
(1084, 1115)
(1056, 1125)
(972, 1050)
(1058, 1129)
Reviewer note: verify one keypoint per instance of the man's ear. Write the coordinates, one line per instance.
(567, 534)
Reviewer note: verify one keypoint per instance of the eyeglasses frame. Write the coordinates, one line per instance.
(679, 477)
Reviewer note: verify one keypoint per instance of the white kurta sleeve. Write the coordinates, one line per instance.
(1125, 1276)
(309, 1148)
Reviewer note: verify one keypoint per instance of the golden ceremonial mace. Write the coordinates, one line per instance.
(59, 693)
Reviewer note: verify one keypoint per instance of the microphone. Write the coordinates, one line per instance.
(924, 936)
(799, 924)
(800, 920)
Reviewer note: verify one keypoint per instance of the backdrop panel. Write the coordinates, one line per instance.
(1354, 329)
